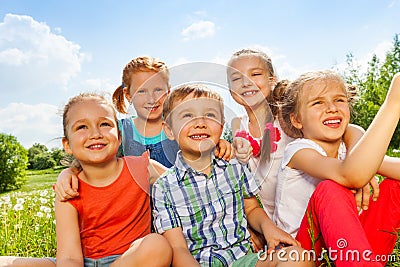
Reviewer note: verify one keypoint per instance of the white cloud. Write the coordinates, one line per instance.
(199, 30)
(362, 63)
(393, 3)
(33, 57)
(31, 124)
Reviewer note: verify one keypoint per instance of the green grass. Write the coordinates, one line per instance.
(27, 224)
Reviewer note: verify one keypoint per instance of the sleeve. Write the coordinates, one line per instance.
(165, 216)
(297, 145)
(250, 186)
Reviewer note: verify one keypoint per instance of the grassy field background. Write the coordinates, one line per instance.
(28, 224)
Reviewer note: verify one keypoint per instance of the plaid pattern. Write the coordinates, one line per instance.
(209, 209)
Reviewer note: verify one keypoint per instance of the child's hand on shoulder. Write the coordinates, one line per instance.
(66, 186)
(242, 149)
(223, 150)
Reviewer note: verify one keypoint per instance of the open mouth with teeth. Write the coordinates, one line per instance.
(199, 136)
(249, 93)
(96, 146)
(333, 123)
(152, 109)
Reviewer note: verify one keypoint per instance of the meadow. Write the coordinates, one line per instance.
(28, 223)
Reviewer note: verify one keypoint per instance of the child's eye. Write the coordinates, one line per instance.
(105, 124)
(187, 115)
(256, 74)
(316, 103)
(80, 127)
(210, 115)
(233, 79)
(140, 92)
(341, 100)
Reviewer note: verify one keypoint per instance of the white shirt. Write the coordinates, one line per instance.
(294, 187)
(267, 176)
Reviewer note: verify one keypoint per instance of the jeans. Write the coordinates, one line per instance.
(102, 262)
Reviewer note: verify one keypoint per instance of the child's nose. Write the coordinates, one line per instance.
(246, 81)
(95, 133)
(331, 106)
(200, 122)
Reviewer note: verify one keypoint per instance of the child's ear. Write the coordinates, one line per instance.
(168, 131)
(296, 122)
(66, 146)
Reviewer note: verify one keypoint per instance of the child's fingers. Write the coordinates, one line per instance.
(74, 183)
(375, 187)
(366, 193)
(358, 196)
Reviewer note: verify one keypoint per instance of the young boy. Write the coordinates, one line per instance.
(202, 204)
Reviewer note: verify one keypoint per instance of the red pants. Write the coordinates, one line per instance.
(332, 223)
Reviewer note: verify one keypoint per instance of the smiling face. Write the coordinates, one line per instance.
(147, 93)
(323, 113)
(91, 132)
(250, 81)
(196, 124)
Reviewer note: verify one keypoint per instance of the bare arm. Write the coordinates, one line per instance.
(358, 167)
(390, 167)
(259, 221)
(69, 251)
(181, 254)
(235, 125)
(155, 170)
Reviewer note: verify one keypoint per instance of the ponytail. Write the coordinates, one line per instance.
(118, 99)
(274, 100)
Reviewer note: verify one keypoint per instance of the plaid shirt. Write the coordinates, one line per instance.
(209, 209)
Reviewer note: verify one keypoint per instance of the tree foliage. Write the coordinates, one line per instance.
(41, 158)
(373, 86)
(13, 163)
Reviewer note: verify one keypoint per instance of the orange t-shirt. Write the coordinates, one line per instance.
(113, 216)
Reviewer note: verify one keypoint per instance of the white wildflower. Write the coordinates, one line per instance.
(20, 200)
(44, 193)
(39, 214)
(44, 200)
(6, 199)
(18, 207)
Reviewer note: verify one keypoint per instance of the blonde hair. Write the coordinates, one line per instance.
(178, 94)
(139, 64)
(291, 99)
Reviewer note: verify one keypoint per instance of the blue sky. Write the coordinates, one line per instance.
(52, 50)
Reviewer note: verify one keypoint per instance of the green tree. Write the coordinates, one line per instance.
(35, 150)
(40, 157)
(13, 163)
(373, 87)
(58, 154)
(227, 133)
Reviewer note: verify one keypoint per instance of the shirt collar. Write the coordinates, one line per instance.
(182, 168)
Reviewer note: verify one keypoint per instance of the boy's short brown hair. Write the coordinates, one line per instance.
(179, 93)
